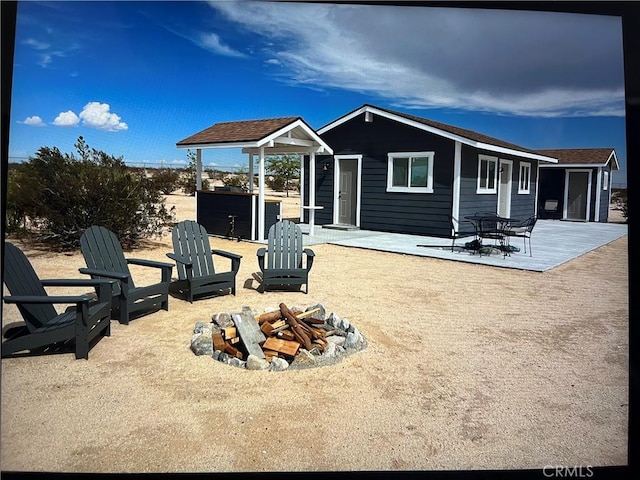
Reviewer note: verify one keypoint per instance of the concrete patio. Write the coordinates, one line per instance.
(553, 243)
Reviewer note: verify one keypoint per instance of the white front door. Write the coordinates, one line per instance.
(504, 188)
(347, 189)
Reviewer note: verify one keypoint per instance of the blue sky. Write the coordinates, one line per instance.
(134, 78)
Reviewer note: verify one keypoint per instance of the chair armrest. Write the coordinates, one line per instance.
(104, 273)
(233, 256)
(261, 254)
(149, 263)
(75, 282)
(310, 256)
(48, 299)
(180, 259)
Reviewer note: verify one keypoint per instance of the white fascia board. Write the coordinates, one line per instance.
(436, 131)
(613, 157)
(346, 118)
(282, 149)
(221, 145)
(575, 165)
(277, 135)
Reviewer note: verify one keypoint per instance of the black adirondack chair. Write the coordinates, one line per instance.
(105, 258)
(281, 263)
(194, 262)
(83, 324)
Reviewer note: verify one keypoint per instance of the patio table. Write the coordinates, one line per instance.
(492, 227)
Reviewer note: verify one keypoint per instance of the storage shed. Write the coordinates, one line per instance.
(578, 187)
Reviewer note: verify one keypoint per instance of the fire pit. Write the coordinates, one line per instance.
(278, 338)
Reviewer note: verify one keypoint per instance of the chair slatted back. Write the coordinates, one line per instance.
(101, 249)
(191, 240)
(21, 279)
(284, 246)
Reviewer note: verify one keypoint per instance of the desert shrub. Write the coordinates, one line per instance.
(62, 195)
(239, 179)
(276, 183)
(166, 180)
(189, 177)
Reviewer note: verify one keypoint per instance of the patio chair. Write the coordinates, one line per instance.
(105, 258)
(551, 209)
(83, 324)
(523, 230)
(281, 263)
(461, 229)
(194, 262)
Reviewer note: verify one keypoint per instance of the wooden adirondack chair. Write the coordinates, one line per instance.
(105, 258)
(281, 262)
(194, 262)
(83, 323)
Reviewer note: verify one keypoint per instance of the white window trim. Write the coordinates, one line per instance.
(483, 190)
(392, 155)
(605, 180)
(527, 190)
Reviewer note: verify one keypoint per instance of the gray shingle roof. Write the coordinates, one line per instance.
(596, 156)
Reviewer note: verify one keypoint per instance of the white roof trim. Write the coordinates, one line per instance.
(275, 137)
(437, 131)
(279, 141)
(615, 159)
(220, 145)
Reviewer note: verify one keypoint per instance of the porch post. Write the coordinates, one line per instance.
(199, 169)
(253, 199)
(261, 195)
(312, 191)
(301, 188)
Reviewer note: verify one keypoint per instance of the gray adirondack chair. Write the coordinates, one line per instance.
(84, 324)
(105, 258)
(281, 263)
(194, 261)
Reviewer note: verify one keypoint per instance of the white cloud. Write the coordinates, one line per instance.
(36, 44)
(34, 121)
(211, 42)
(97, 115)
(506, 62)
(66, 119)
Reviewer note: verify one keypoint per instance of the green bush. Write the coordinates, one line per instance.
(276, 183)
(166, 180)
(188, 179)
(60, 196)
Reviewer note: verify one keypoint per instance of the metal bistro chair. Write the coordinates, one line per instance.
(523, 230)
(490, 226)
(461, 229)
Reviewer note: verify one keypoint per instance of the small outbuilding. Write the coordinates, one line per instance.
(578, 187)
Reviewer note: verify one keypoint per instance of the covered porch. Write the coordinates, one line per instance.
(261, 138)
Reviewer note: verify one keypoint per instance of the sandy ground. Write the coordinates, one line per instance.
(468, 367)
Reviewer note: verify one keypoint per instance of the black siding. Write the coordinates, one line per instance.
(414, 213)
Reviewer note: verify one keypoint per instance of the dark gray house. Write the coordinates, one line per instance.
(394, 172)
(578, 187)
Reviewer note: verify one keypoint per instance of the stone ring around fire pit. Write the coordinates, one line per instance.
(278, 338)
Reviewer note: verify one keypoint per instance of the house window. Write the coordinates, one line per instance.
(525, 177)
(410, 172)
(487, 174)
(605, 180)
